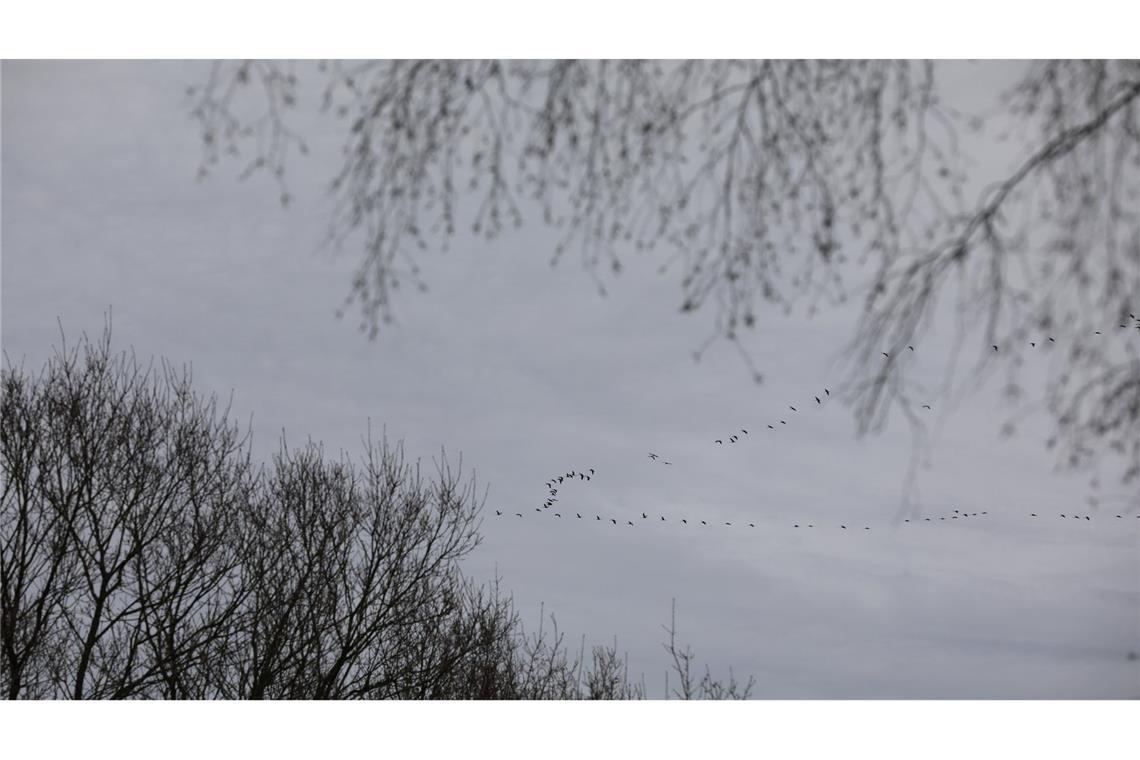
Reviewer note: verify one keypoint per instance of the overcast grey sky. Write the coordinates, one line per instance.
(528, 373)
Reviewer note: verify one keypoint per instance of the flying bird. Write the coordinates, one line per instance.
(591, 470)
(911, 347)
(817, 400)
(1032, 344)
(826, 392)
(886, 354)
(995, 348)
(644, 516)
(742, 430)
(662, 518)
(703, 522)
(518, 514)
(750, 525)
(771, 428)
(684, 521)
(926, 406)
(653, 456)
(630, 522)
(783, 423)
(728, 523)
(557, 515)
(497, 512)
(791, 407)
(613, 521)
(579, 516)
(597, 517)
(719, 441)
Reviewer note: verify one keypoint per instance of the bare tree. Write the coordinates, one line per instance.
(142, 556)
(119, 483)
(792, 184)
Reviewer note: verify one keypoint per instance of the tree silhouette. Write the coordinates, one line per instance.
(792, 184)
(142, 555)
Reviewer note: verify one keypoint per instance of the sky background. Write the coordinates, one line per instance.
(527, 372)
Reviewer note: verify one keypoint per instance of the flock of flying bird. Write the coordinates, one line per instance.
(583, 476)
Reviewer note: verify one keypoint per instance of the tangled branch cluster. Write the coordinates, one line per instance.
(758, 182)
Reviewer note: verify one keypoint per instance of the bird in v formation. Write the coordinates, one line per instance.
(582, 476)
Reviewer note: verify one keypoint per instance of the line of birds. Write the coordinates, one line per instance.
(553, 484)
(646, 519)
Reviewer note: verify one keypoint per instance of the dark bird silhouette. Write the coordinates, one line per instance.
(817, 400)
(1033, 514)
(664, 462)
(579, 516)
(1098, 332)
(911, 347)
(630, 522)
(644, 516)
(588, 478)
(742, 430)
(826, 392)
(1032, 344)
(796, 525)
(662, 518)
(750, 525)
(518, 514)
(843, 526)
(591, 470)
(557, 515)
(686, 522)
(703, 522)
(995, 348)
(1118, 517)
(771, 428)
(865, 527)
(728, 523)
(1052, 341)
(1062, 515)
(653, 456)
(559, 478)
(719, 441)
(613, 521)
(582, 475)
(1087, 517)
(906, 520)
(783, 423)
(597, 517)
(928, 519)
(497, 512)
(810, 525)
(886, 354)
(791, 407)
(926, 406)
(732, 439)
